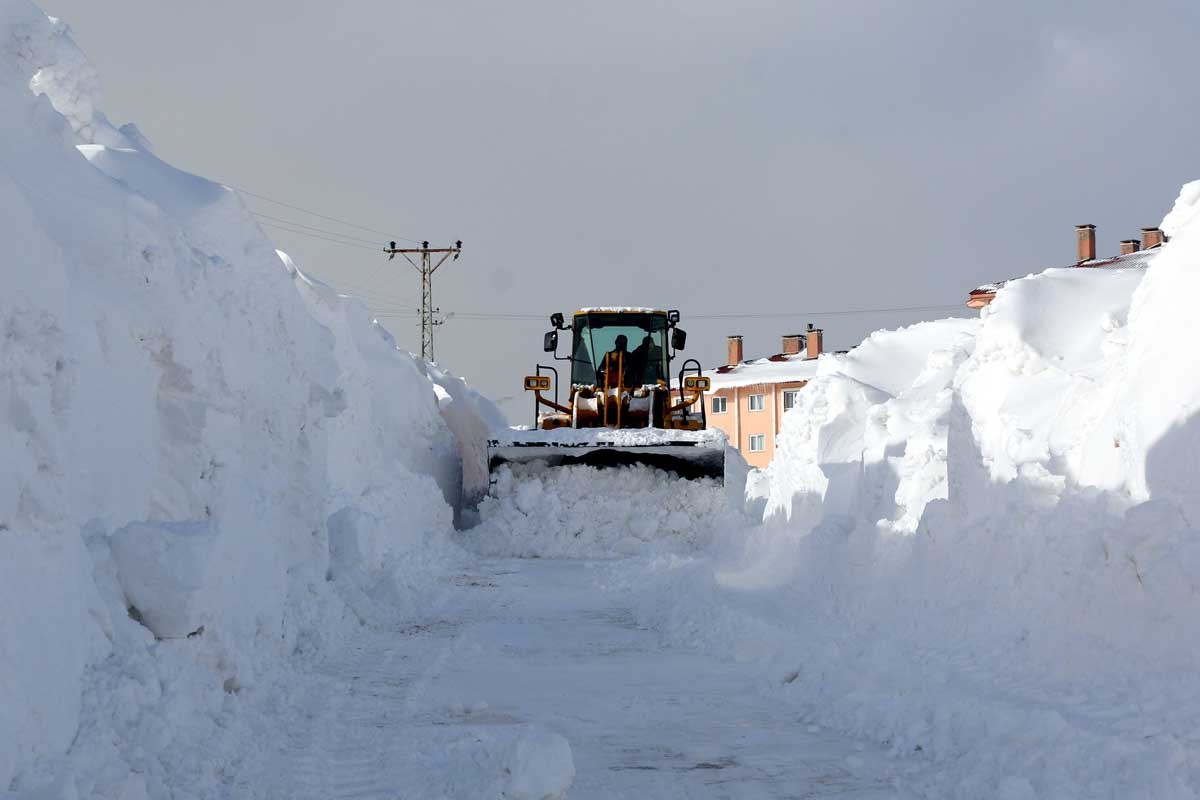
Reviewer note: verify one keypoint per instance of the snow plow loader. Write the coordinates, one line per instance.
(620, 405)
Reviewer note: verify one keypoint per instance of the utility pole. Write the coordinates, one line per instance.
(426, 321)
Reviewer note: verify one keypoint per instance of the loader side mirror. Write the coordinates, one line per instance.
(556, 319)
(550, 341)
(678, 338)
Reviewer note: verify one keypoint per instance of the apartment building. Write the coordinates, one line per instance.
(748, 398)
(1135, 254)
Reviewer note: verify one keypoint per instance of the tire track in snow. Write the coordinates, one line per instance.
(352, 733)
(432, 710)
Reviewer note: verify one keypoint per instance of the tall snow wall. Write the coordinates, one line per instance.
(189, 427)
(981, 539)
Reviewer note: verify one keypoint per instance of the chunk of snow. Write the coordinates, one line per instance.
(541, 767)
(580, 511)
(163, 569)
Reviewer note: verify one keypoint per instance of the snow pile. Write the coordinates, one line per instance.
(579, 511)
(882, 402)
(471, 418)
(981, 541)
(198, 441)
(1146, 439)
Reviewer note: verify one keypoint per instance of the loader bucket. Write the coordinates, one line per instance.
(689, 456)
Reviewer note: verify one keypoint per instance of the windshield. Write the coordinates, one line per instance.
(642, 337)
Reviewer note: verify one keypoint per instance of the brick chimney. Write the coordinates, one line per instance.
(1130, 246)
(1085, 237)
(791, 344)
(815, 338)
(735, 351)
(1151, 237)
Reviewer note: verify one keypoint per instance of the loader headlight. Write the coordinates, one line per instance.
(696, 384)
(537, 383)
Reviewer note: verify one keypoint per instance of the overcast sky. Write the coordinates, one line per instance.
(749, 157)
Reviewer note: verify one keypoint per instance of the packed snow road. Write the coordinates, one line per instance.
(475, 702)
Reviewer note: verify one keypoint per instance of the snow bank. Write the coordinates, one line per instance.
(194, 435)
(1146, 437)
(578, 511)
(472, 418)
(980, 541)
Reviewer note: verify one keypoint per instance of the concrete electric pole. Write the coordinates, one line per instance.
(427, 267)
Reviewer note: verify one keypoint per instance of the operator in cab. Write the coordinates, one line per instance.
(616, 364)
(647, 362)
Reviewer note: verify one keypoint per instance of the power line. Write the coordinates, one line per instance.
(350, 288)
(399, 308)
(498, 315)
(386, 302)
(373, 297)
(362, 290)
(486, 316)
(318, 214)
(837, 312)
(751, 315)
(312, 228)
(365, 290)
(318, 236)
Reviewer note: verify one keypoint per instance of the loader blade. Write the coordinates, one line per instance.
(691, 459)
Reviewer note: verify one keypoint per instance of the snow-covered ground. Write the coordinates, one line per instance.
(526, 678)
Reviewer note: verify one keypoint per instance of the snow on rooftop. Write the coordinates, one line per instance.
(774, 369)
(1139, 260)
(619, 310)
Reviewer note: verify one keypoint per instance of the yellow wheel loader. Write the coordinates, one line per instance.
(620, 405)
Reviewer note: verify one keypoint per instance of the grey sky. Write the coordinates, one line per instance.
(747, 157)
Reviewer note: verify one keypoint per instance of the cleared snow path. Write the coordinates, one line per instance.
(517, 653)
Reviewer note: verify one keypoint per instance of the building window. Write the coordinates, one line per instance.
(758, 442)
(757, 402)
(720, 405)
(790, 398)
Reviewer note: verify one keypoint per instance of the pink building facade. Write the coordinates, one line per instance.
(749, 398)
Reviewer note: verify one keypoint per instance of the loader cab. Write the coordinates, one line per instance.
(636, 340)
(620, 373)
(644, 344)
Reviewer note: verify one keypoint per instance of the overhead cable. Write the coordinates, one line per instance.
(312, 228)
(484, 316)
(318, 214)
(316, 236)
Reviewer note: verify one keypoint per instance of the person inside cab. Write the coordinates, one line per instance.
(647, 362)
(617, 363)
